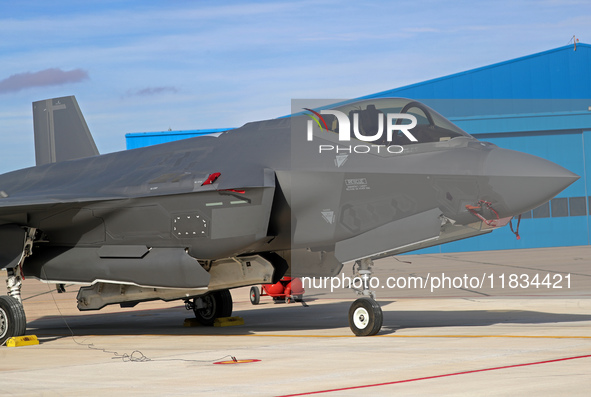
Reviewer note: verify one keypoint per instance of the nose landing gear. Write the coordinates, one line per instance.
(365, 314)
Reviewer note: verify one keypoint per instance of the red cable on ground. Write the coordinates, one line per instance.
(436, 376)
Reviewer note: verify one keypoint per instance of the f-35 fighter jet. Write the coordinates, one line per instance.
(301, 195)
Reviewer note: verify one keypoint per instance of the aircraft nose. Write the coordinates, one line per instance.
(520, 182)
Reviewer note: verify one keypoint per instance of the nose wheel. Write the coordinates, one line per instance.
(365, 317)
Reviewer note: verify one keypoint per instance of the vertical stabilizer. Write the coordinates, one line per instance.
(61, 132)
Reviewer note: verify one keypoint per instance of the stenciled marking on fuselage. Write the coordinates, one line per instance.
(356, 184)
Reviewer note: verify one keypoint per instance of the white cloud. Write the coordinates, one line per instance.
(47, 77)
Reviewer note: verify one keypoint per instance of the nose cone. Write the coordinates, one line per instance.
(520, 182)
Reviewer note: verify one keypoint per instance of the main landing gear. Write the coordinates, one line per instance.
(12, 318)
(13, 321)
(365, 315)
(210, 306)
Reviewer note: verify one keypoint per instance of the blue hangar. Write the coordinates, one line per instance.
(538, 104)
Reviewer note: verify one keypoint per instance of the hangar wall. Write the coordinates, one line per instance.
(539, 104)
(135, 140)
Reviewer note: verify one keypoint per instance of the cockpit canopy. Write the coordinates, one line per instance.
(431, 126)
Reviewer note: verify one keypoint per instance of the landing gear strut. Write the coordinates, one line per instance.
(14, 283)
(211, 306)
(365, 315)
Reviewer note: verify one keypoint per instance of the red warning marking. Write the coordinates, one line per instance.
(437, 376)
(238, 361)
(241, 191)
(211, 179)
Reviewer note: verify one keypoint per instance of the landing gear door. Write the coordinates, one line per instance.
(244, 217)
(315, 201)
(12, 240)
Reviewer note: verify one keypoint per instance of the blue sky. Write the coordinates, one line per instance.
(138, 66)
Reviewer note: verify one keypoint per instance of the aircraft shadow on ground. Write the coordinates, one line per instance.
(277, 318)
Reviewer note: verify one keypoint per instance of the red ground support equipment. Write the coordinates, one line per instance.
(286, 290)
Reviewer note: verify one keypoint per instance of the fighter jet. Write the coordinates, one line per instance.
(300, 196)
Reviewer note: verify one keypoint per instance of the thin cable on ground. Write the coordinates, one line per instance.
(135, 356)
(42, 293)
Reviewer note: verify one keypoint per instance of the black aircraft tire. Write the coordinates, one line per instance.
(224, 303)
(206, 316)
(217, 304)
(255, 295)
(365, 317)
(12, 318)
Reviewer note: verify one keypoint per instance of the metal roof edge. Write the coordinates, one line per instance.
(475, 70)
(176, 133)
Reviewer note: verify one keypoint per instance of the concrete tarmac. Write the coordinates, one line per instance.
(477, 338)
